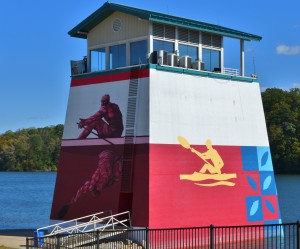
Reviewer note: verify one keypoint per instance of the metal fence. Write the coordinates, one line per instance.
(282, 236)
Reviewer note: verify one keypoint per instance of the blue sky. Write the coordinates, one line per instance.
(36, 49)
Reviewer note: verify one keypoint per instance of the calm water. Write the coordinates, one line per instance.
(26, 198)
(288, 188)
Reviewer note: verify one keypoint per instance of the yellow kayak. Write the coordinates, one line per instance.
(196, 176)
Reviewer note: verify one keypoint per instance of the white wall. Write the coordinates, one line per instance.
(200, 108)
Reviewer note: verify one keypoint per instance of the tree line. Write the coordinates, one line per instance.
(282, 110)
(33, 149)
(37, 149)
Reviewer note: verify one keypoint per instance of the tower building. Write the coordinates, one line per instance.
(157, 125)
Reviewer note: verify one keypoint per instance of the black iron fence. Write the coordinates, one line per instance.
(279, 236)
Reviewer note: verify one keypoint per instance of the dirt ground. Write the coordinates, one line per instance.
(15, 238)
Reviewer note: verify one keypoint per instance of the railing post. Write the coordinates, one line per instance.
(212, 237)
(298, 234)
(57, 241)
(147, 238)
(97, 245)
(129, 219)
(27, 243)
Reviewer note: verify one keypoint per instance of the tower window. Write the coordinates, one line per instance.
(138, 52)
(117, 56)
(98, 59)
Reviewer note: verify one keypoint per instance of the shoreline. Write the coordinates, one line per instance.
(17, 232)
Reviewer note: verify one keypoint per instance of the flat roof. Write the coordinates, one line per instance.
(108, 8)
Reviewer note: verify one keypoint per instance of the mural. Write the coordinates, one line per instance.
(108, 171)
(90, 171)
(214, 168)
(108, 121)
(105, 123)
(262, 204)
(199, 151)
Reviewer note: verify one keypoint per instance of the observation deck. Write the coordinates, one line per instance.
(120, 37)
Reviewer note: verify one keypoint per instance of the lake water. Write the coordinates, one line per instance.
(26, 198)
(288, 188)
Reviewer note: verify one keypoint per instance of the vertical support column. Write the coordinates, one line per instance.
(222, 55)
(150, 39)
(200, 47)
(107, 58)
(176, 44)
(128, 57)
(88, 58)
(242, 58)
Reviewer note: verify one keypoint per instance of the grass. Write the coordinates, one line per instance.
(5, 247)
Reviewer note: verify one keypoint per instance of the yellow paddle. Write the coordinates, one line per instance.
(183, 142)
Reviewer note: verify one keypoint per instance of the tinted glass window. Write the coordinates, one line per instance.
(211, 58)
(117, 56)
(163, 45)
(191, 51)
(138, 52)
(98, 59)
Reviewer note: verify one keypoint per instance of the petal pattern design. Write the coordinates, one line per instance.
(270, 206)
(267, 182)
(252, 183)
(264, 159)
(254, 208)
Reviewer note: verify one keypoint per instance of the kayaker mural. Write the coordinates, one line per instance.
(210, 172)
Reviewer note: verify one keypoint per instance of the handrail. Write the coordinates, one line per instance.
(95, 223)
(231, 71)
(55, 226)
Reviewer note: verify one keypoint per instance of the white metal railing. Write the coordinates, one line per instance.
(95, 222)
(231, 71)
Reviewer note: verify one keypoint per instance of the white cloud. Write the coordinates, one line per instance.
(296, 85)
(287, 50)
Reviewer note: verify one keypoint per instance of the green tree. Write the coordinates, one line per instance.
(283, 124)
(31, 149)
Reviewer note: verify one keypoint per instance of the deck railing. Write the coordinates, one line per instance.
(231, 71)
(275, 236)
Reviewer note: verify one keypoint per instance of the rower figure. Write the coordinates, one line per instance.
(213, 155)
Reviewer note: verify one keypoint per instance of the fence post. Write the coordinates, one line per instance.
(27, 243)
(97, 246)
(147, 238)
(298, 234)
(57, 241)
(212, 237)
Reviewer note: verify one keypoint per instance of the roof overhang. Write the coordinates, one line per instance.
(82, 29)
